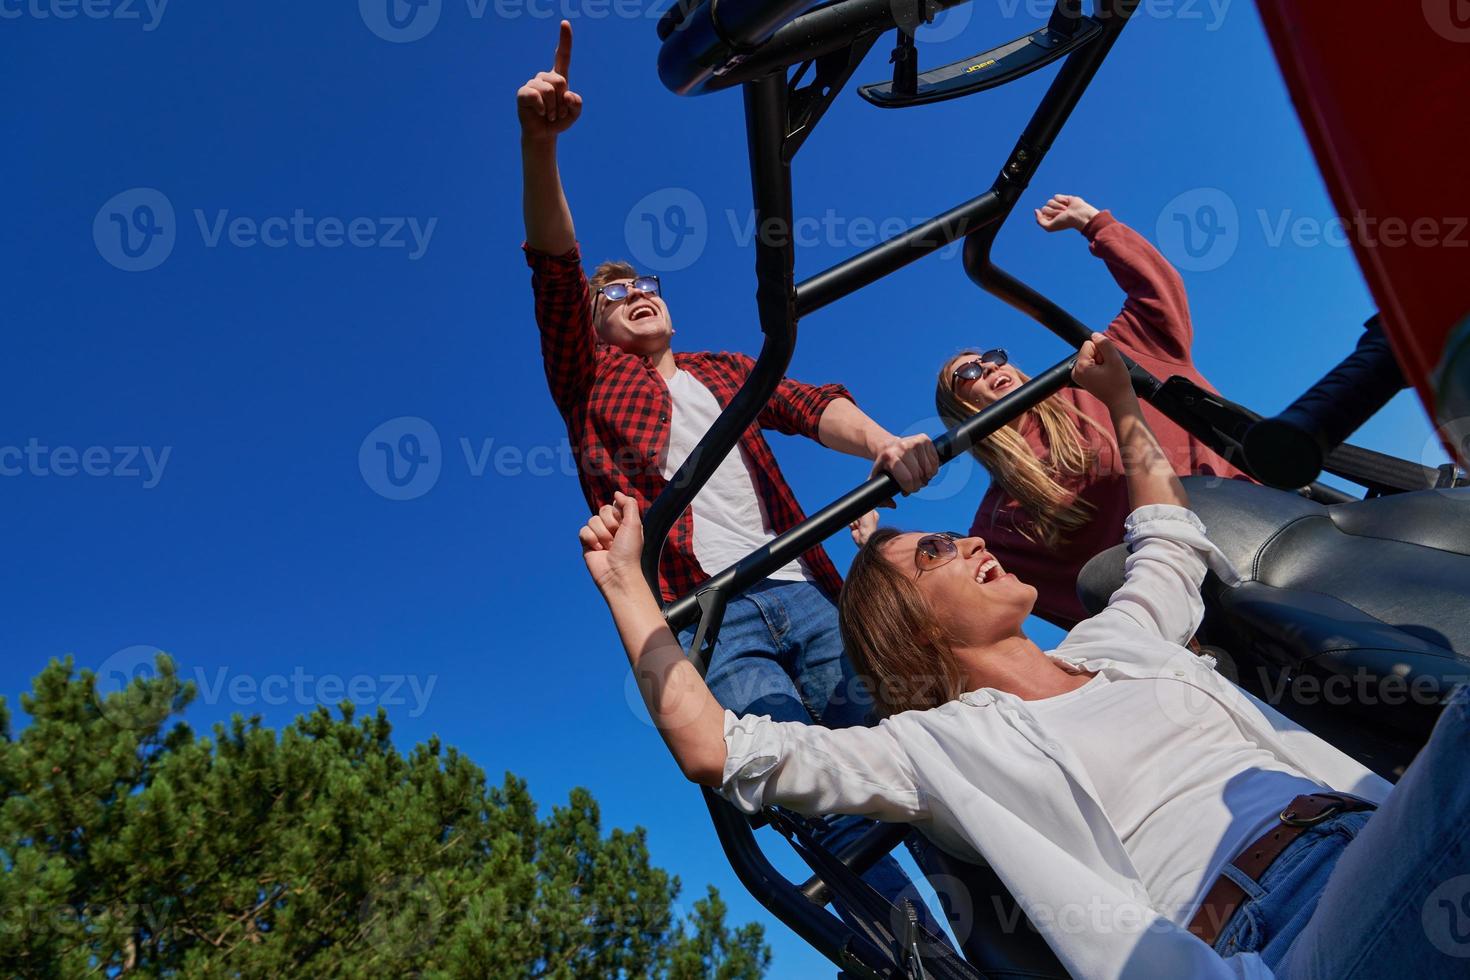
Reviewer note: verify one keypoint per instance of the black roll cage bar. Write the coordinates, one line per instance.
(779, 117)
(703, 53)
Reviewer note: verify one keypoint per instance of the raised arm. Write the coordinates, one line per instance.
(1155, 314)
(688, 717)
(752, 760)
(1168, 550)
(547, 108)
(568, 342)
(1151, 480)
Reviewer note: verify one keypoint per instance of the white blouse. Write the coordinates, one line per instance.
(1183, 787)
(985, 780)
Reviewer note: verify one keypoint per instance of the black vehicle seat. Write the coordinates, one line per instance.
(1376, 588)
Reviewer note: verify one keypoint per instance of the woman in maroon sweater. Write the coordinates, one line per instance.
(1057, 494)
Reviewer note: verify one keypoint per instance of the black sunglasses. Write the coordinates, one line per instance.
(971, 370)
(615, 291)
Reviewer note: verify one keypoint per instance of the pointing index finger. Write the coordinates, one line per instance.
(563, 63)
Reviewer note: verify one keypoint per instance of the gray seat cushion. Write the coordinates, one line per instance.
(1375, 587)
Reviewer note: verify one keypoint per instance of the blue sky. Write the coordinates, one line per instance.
(189, 422)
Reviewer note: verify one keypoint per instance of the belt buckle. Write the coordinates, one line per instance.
(1291, 819)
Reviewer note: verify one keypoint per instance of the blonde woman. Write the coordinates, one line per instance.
(1152, 819)
(1057, 494)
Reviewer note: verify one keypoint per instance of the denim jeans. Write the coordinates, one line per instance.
(1375, 894)
(779, 653)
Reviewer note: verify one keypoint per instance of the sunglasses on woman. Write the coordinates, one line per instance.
(971, 370)
(614, 291)
(934, 550)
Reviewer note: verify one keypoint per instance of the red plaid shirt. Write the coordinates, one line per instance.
(617, 410)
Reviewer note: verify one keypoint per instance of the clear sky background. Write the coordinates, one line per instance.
(265, 550)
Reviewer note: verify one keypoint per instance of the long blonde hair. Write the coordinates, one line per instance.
(1014, 467)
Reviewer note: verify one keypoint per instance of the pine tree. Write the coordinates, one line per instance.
(129, 845)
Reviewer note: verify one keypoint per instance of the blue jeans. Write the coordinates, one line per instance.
(780, 653)
(1375, 894)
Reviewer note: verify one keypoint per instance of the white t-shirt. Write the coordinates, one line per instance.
(1184, 788)
(729, 519)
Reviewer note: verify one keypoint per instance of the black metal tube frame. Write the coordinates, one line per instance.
(819, 929)
(779, 303)
(863, 498)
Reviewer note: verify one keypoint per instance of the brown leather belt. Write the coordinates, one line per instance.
(1225, 896)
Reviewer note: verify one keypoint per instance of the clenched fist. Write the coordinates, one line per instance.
(1065, 211)
(1101, 372)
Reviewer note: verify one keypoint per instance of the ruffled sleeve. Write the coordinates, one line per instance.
(815, 770)
(1169, 555)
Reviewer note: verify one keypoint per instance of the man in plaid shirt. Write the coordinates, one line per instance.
(634, 410)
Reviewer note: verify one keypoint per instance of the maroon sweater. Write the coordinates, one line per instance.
(1154, 329)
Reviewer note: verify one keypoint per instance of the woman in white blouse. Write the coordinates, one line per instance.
(1117, 785)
